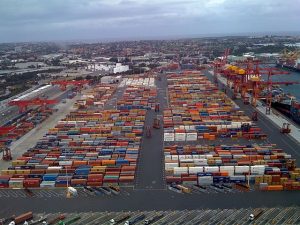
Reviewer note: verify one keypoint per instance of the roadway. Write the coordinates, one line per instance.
(150, 200)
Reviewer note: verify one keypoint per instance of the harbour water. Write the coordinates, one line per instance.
(291, 89)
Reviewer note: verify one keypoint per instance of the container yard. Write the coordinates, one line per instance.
(89, 147)
(167, 138)
(200, 111)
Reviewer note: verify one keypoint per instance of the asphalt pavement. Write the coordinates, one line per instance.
(150, 169)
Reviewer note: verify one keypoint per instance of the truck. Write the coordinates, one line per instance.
(135, 220)
(255, 214)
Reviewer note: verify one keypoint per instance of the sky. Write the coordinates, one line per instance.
(62, 20)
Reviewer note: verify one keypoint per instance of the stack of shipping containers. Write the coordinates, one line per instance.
(90, 147)
(199, 113)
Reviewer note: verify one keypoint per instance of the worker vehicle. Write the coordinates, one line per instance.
(6, 154)
(115, 190)
(285, 129)
(254, 116)
(135, 220)
(156, 123)
(72, 191)
(255, 214)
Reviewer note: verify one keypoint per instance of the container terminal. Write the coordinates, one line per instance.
(168, 139)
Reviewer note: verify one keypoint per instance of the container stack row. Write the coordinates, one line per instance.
(88, 148)
(138, 81)
(138, 97)
(96, 97)
(197, 111)
(23, 124)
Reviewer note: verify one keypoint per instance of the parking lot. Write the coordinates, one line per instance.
(290, 215)
(60, 193)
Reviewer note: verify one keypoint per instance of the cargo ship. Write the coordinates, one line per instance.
(285, 103)
(289, 60)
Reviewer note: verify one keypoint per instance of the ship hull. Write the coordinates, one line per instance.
(287, 67)
(286, 110)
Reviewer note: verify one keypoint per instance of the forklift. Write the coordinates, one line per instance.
(156, 109)
(156, 123)
(246, 100)
(285, 128)
(255, 116)
(6, 154)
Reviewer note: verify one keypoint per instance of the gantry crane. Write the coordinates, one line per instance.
(23, 104)
(269, 83)
(258, 86)
(6, 129)
(64, 83)
(219, 64)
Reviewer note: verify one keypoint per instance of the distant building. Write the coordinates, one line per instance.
(117, 68)
(120, 68)
(18, 49)
(110, 79)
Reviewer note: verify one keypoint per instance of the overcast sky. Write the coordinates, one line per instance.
(39, 20)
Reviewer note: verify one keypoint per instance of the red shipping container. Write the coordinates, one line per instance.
(171, 179)
(4, 185)
(94, 184)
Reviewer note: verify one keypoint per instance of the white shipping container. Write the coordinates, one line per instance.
(258, 169)
(211, 169)
(196, 169)
(186, 160)
(65, 163)
(168, 157)
(241, 169)
(200, 162)
(229, 169)
(191, 136)
(175, 157)
(169, 137)
(180, 170)
(181, 156)
(169, 166)
(180, 136)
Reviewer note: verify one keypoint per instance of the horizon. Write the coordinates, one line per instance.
(163, 38)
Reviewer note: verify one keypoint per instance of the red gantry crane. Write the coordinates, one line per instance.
(64, 83)
(219, 64)
(23, 104)
(6, 129)
(259, 85)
